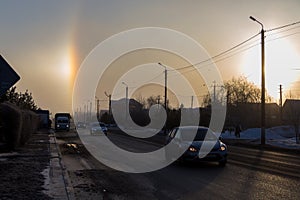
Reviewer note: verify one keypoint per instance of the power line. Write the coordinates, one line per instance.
(240, 51)
(238, 45)
(283, 36)
(283, 31)
(220, 54)
(221, 59)
(233, 50)
(132, 87)
(284, 26)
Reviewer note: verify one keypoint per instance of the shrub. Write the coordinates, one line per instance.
(11, 122)
(30, 123)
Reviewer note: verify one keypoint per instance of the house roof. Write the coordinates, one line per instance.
(292, 102)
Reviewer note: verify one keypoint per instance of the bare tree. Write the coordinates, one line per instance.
(153, 100)
(141, 100)
(240, 90)
(235, 91)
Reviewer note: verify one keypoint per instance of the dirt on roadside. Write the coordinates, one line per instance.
(21, 171)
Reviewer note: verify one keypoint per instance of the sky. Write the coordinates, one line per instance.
(46, 42)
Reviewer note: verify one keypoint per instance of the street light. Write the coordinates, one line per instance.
(165, 84)
(126, 98)
(109, 106)
(166, 89)
(263, 111)
(97, 107)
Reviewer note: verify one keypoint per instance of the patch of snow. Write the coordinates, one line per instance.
(46, 185)
(281, 136)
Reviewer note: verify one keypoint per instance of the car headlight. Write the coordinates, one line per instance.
(222, 148)
(192, 149)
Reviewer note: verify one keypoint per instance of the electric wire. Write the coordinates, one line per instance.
(284, 26)
(243, 48)
(220, 54)
(236, 49)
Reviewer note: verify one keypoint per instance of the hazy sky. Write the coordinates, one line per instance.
(46, 41)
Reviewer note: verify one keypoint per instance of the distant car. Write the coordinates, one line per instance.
(181, 139)
(81, 125)
(62, 123)
(97, 128)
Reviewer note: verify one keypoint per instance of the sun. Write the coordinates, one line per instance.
(280, 60)
(65, 67)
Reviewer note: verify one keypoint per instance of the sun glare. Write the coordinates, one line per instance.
(280, 61)
(65, 67)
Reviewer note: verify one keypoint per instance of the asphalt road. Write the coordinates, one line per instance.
(250, 174)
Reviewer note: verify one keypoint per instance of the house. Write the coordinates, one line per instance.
(249, 115)
(291, 112)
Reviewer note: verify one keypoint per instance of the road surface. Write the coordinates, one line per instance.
(249, 174)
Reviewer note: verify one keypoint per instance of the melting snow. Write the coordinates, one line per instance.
(282, 136)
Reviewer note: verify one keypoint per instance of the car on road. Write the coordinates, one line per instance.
(183, 143)
(97, 128)
(62, 123)
(81, 125)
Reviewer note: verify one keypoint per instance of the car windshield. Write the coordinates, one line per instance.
(202, 133)
(62, 121)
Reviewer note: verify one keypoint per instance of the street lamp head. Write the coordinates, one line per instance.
(162, 65)
(124, 84)
(252, 18)
(106, 94)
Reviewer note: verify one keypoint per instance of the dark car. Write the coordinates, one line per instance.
(181, 142)
(97, 128)
(81, 125)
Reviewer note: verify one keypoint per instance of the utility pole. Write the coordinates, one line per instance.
(98, 106)
(263, 100)
(90, 114)
(214, 91)
(280, 102)
(228, 97)
(80, 114)
(109, 106)
(280, 95)
(127, 105)
(158, 101)
(166, 91)
(192, 102)
(84, 114)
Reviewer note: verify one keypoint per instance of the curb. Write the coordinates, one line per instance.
(61, 187)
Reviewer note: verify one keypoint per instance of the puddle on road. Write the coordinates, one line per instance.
(71, 148)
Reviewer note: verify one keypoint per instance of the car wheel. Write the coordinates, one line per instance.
(222, 163)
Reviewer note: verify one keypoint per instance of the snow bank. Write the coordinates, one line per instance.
(282, 136)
